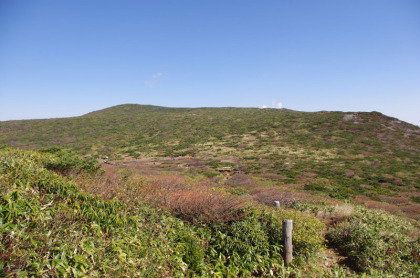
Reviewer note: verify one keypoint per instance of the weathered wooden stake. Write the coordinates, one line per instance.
(287, 241)
(277, 204)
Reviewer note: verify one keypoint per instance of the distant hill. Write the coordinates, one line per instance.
(340, 154)
(125, 129)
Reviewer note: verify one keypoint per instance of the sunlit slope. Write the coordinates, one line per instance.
(340, 154)
(144, 128)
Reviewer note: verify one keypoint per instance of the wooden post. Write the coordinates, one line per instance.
(277, 203)
(287, 241)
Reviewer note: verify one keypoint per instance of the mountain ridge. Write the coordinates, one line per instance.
(120, 114)
(345, 155)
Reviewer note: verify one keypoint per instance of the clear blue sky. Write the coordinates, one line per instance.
(69, 57)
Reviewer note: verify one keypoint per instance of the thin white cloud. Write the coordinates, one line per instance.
(274, 105)
(154, 79)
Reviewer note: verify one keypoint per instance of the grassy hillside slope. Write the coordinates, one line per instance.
(366, 157)
(50, 228)
(139, 128)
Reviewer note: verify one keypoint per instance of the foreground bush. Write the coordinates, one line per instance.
(242, 238)
(65, 161)
(378, 243)
(253, 245)
(49, 227)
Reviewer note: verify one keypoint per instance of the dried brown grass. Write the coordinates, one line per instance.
(105, 185)
(267, 196)
(241, 180)
(394, 209)
(342, 212)
(190, 200)
(412, 211)
(204, 207)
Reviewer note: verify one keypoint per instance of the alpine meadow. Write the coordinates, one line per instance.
(148, 191)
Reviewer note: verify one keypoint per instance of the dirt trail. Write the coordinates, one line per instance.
(333, 257)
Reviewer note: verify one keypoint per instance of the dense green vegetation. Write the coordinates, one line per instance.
(378, 243)
(49, 227)
(146, 129)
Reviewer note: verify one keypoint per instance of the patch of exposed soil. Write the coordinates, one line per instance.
(333, 256)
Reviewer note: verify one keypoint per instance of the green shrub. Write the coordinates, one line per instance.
(258, 238)
(238, 191)
(65, 161)
(416, 199)
(210, 174)
(191, 250)
(315, 187)
(307, 230)
(378, 241)
(249, 236)
(49, 228)
(213, 163)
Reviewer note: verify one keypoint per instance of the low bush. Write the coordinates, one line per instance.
(202, 207)
(65, 161)
(49, 228)
(316, 187)
(238, 191)
(378, 242)
(416, 199)
(258, 238)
